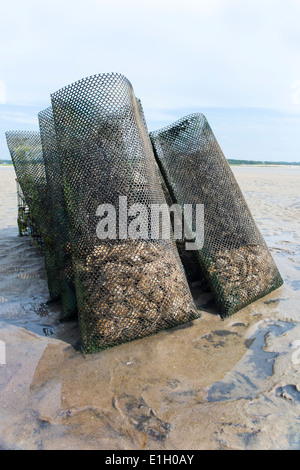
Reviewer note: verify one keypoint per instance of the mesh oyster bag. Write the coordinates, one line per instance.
(23, 218)
(234, 258)
(27, 157)
(59, 214)
(26, 224)
(188, 258)
(128, 285)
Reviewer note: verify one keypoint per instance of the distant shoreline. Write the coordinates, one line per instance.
(231, 162)
(265, 165)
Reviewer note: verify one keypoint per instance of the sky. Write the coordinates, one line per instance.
(235, 61)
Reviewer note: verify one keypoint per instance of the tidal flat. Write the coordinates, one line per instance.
(210, 384)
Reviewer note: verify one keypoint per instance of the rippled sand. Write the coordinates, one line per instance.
(212, 384)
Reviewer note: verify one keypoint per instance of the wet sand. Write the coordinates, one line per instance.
(211, 384)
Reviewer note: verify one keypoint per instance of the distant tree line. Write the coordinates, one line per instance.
(254, 162)
(231, 161)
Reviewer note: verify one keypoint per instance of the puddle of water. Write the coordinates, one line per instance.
(42, 330)
(248, 378)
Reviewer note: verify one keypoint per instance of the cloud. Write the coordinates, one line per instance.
(209, 53)
(19, 117)
(177, 54)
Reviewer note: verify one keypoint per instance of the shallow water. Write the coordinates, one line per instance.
(211, 384)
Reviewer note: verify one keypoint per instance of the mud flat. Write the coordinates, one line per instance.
(209, 384)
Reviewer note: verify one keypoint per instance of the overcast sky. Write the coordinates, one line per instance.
(235, 61)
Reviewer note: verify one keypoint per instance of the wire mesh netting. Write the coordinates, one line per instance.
(128, 285)
(27, 157)
(26, 224)
(234, 258)
(23, 212)
(188, 258)
(88, 185)
(58, 212)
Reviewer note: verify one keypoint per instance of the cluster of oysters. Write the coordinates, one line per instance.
(242, 273)
(134, 289)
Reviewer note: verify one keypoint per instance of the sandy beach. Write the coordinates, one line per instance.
(210, 384)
